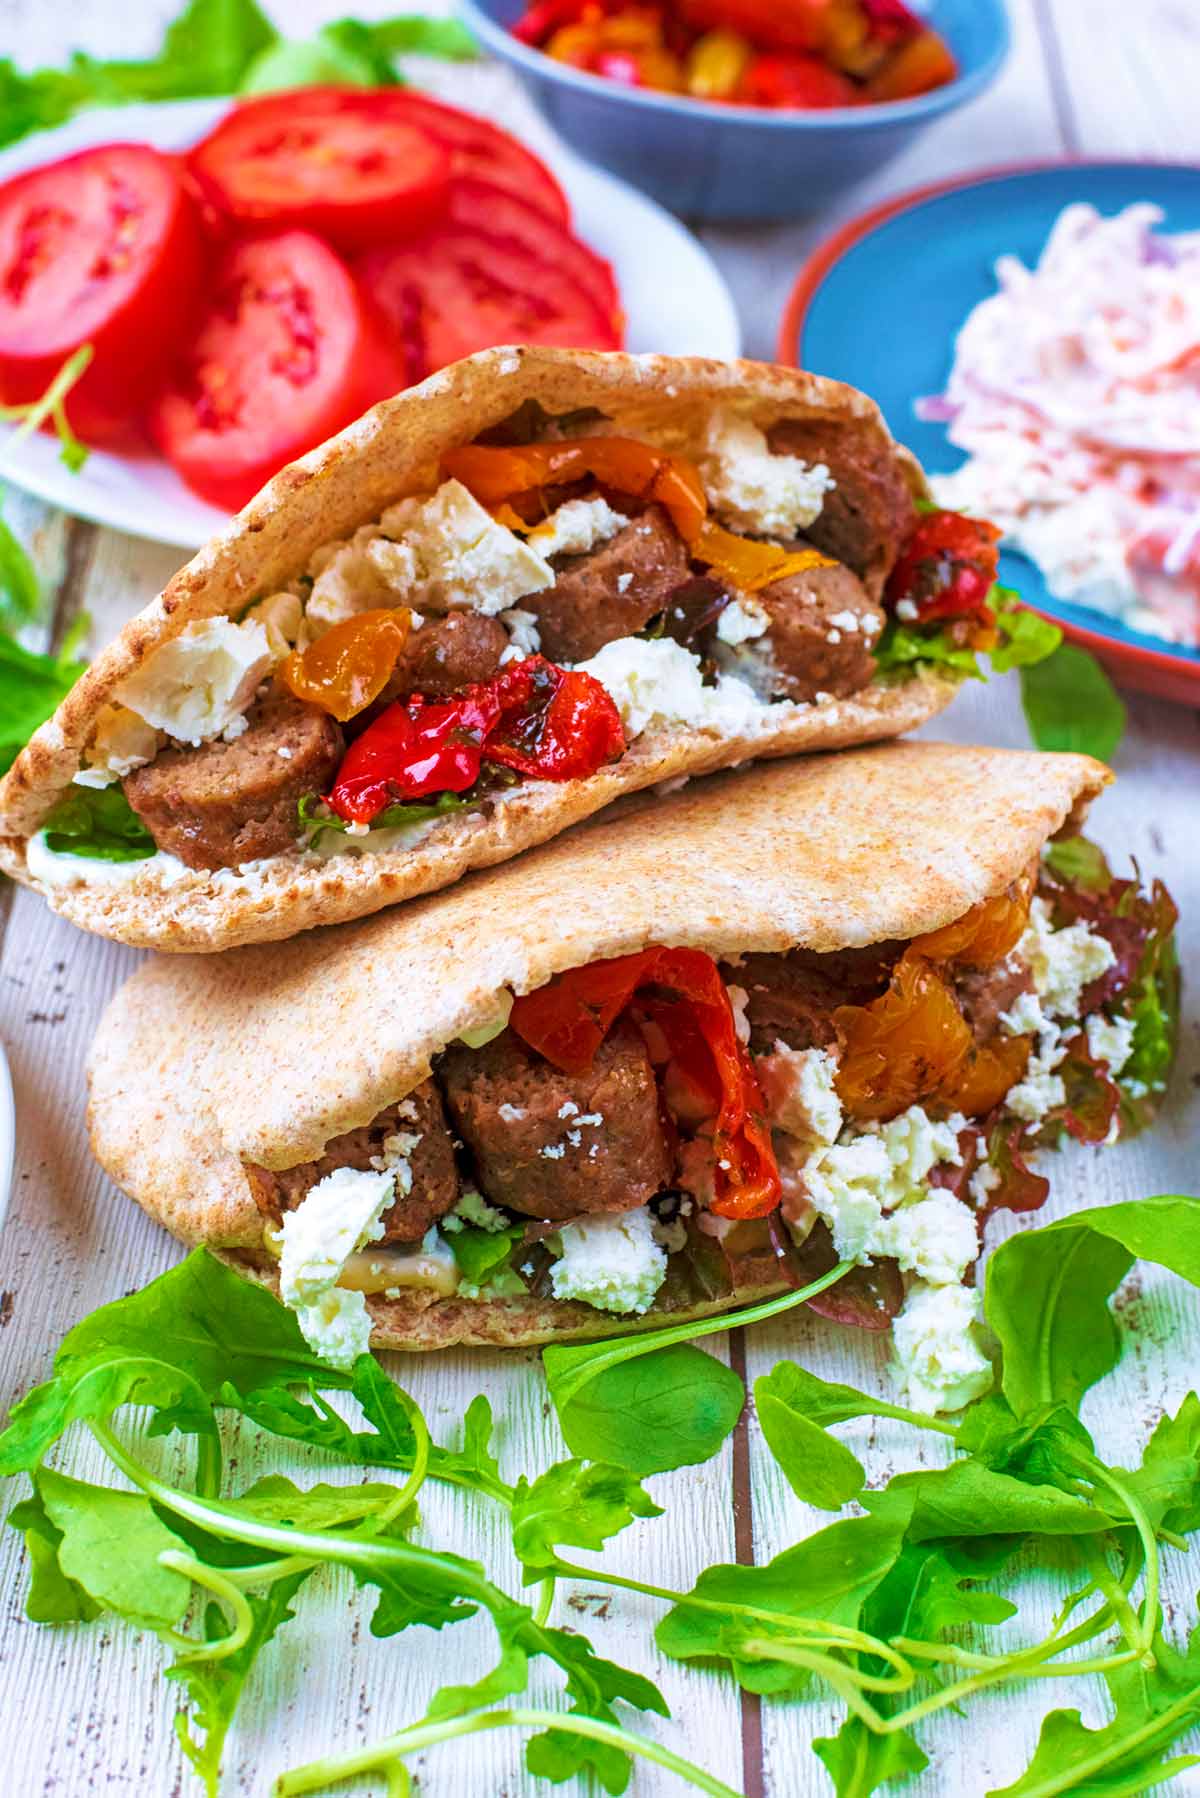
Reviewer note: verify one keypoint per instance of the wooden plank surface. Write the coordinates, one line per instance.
(1086, 75)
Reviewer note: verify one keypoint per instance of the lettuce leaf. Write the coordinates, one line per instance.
(32, 686)
(1070, 703)
(393, 817)
(98, 822)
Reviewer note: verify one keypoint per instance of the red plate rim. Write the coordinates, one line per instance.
(1155, 670)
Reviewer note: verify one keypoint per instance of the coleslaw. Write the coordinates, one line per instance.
(1075, 391)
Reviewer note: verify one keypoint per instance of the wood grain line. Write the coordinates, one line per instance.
(753, 1771)
(1056, 70)
(82, 538)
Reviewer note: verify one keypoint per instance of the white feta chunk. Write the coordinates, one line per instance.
(935, 1238)
(800, 1094)
(461, 556)
(367, 571)
(336, 1326)
(659, 682)
(524, 638)
(611, 1262)
(337, 1216)
(576, 527)
(196, 685)
(473, 1209)
(120, 743)
(771, 496)
(282, 617)
(939, 1362)
(742, 620)
(1110, 1040)
(739, 999)
(1063, 961)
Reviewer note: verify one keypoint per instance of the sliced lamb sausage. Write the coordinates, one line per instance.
(224, 804)
(869, 514)
(984, 993)
(447, 654)
(435, 1183)
(556, 1146)
(822, 630)
(792, 997)
(612, 591)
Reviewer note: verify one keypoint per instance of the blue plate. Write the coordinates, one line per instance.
(881, 304)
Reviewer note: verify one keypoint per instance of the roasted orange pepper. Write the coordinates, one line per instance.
(925, 62)
(984, 935)
(500, 476)
(343, 671)
(988, 1074)
(909, 1045)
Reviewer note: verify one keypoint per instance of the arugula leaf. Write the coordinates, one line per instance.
(574, 1503)
(32, 687)
(1025, 636)
(1167, 1483)
(481, 1253)
(214, 1687)
(98, 822)
(819, 1469)
(859, 1761)
(829, 1577)
(969, 1499)
(315, 817)
(1070, 703)
(179, 1343)
(1046, 1295)
(52, 1597)
(1152, 1707)
(651, 1403)
(110, 1544)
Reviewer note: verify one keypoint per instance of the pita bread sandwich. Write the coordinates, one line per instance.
(681, 1058)
(539, 581)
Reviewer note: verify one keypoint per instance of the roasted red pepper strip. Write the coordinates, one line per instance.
(567, 1021)
(534, 717)
(947, 568)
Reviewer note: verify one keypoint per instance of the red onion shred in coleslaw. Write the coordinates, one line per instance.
(1075, 391)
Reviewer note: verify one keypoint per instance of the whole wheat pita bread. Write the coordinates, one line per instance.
(392, 452)
(826, 852)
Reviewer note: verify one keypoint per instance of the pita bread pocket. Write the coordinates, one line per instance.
(416, 653)
(791, 1013)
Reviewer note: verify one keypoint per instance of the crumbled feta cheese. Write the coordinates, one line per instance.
(1063, 961)
(983, 1183)
(50, 869)
(196, 685)
(120, 743)
(939, 1361)
(568, 1108)
(935, 1238)
(1110, 1040)
(773, 496)
(577, 527)
(625, 581)
(337, 1326)
(461, 556)
(367, 571)
(1040, 1089)
(473, 1209)
(659, 682)
(853, 1183)
(524, 638)
(396, 1159)
(512, 1114)
(801, 1098)
(337, 1216)
(611, 1262)
(845, 621)
(906, 611)
(1025, 1016)
(742, 620)
(739, 999)
(282, 617)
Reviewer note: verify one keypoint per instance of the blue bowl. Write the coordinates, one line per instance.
(740, 162)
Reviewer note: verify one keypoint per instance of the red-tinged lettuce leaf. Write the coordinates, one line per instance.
(1093, 1096)
(867, 1298)
(1020, 1189)
(955, 1177)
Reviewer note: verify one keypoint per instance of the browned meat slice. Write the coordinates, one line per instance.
(447, 654)
(792, 997)
(984, 993)
(822, 631)
(227, 803)
(435, 1182)
(869, 513)
(557, 1146)
(611, 592)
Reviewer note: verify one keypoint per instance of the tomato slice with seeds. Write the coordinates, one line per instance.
(496, 212)
(288, 352)
(455, 291)
(329, 160)
(104, 248)
(478, 148)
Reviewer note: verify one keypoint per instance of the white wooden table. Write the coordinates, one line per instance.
(87, 1711)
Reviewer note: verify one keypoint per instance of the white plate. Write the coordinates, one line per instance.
(674, 300)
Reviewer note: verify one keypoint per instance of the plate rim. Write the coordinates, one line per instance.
(120, 123)
(1177, 665)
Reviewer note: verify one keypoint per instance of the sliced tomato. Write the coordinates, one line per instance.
(477, 147)
(482, 206)
(455, 291)
(103, 248)
(288, 351)
(330, 160)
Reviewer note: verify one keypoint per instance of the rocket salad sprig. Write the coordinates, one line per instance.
(860, 1608)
